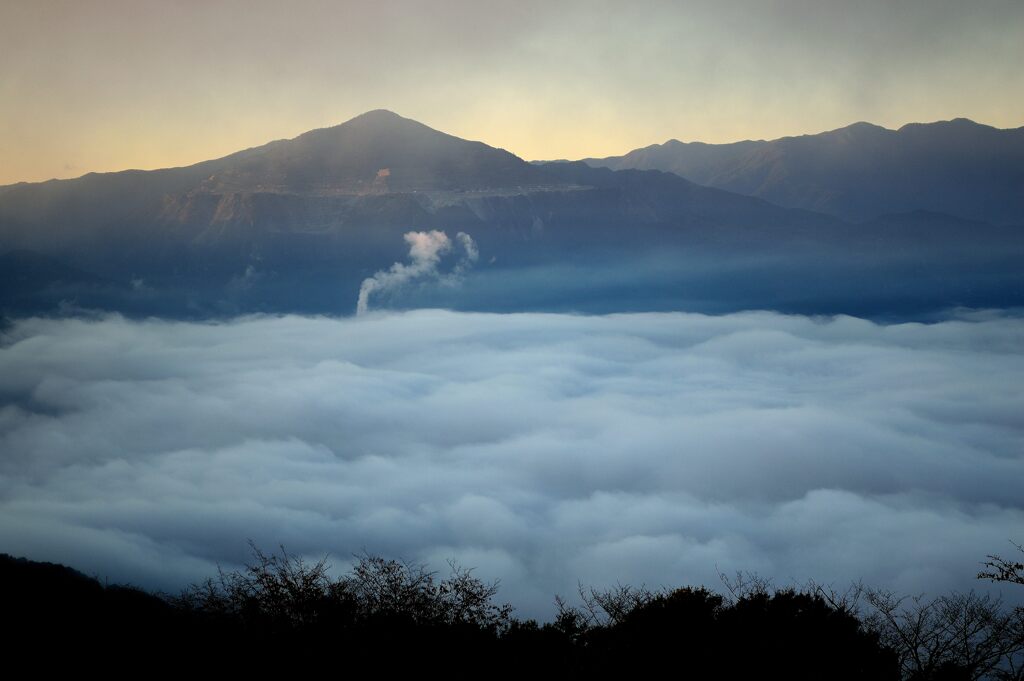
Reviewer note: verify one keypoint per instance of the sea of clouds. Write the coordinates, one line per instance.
(541, 449)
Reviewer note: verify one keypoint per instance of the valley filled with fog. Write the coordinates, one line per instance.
(540, 449)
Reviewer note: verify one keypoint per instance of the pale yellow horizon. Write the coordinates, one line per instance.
(116, 84)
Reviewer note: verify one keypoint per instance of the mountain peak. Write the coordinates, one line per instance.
(375, 152)
(377, 114)
(375, 122)
(864, 126)
(378, 118)
(962, 124)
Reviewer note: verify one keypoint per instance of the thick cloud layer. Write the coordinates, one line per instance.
(542, 449)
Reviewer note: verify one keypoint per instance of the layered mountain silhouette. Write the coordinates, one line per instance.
(861, 171)
(297, 225)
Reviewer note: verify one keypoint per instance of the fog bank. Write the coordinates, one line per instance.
(541, 448)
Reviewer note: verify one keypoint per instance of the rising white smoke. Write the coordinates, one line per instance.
(425, 252)
(471, 254)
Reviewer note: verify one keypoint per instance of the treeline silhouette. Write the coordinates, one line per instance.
(283, 614)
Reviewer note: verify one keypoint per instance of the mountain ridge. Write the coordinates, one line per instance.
(860, 171)
(297, 225)
(856, 125)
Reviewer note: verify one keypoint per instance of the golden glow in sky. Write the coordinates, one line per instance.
(107, 85)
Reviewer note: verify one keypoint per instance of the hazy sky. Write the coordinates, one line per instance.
(111, 84)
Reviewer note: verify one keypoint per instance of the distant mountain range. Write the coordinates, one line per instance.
(297, 226)
(861, 171)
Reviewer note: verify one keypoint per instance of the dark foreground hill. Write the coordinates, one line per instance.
(390, 618)
(298, 225)
(281, 614)
(862, 171)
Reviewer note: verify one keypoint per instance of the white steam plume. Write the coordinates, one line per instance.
(468, 245)
(425, 251)
(472, 254)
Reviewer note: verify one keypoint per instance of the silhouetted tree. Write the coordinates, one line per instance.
(294, 607)
(603, 607)
(999, 569)
(273, 591)
(962, 635)
(799, 635)
(392, 588)
(285, 590)
(758, 632)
